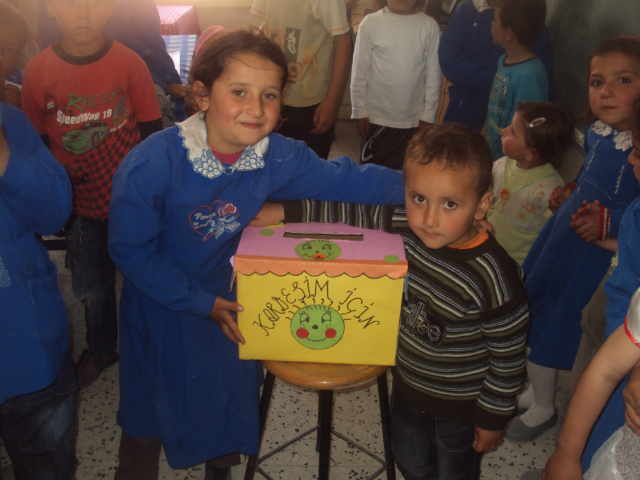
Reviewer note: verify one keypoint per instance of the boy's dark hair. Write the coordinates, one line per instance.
(626, 45)
(453, 146)
(211, 62)
(420, 4)
(10, 17)
(553, 135)
(525, 17)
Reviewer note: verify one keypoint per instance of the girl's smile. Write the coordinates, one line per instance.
(243, 106)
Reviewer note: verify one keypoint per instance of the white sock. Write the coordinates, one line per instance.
(525, 399)
(543, 384)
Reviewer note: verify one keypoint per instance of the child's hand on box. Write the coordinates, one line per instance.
(221, 314)
(270, 214)
(486, 439)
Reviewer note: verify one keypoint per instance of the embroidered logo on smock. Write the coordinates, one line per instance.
(214, 220)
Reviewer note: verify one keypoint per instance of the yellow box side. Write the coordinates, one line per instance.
(366, 310)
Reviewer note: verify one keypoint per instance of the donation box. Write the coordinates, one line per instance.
(315, 292)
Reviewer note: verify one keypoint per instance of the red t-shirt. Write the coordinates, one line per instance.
(90, 108)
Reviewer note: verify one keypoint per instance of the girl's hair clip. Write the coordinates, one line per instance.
(537, 121)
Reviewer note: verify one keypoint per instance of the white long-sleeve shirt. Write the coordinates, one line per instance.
(396, 78)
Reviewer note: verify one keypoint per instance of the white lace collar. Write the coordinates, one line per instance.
(623, 140)
(194, 139)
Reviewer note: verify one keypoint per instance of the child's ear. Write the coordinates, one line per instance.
(532, 155)
(200, 93)
(483, 206)
(510, 35)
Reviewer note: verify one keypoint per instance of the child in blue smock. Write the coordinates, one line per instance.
(37, 381)
(590, 431)
(564, 266)
(180, 202)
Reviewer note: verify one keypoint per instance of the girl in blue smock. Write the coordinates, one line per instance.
(180, 202)
(564, 267)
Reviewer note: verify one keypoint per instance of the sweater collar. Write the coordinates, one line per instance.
(194, 139)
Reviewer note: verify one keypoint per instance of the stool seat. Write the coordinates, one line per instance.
(323, 376)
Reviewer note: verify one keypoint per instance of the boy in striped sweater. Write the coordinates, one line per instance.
(464, 319)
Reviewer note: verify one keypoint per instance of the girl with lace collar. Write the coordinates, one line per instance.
(564, 266)
(180, 202)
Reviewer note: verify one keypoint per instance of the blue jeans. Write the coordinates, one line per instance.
(93, 280)
(427, 447)
(38, 429)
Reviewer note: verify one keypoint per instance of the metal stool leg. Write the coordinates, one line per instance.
(324, 433)
(265, 400)
(383, 398)
(318, 434)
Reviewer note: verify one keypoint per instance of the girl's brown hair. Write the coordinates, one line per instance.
(211, 62)
(548, 128)
(626, 45)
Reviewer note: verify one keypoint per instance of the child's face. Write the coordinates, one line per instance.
(443, 203)
(634, 158)
(614, 84)
(402, 7)
(514, 144)
(11, 46)
(82, 22)
(498, 32)
(244, 103)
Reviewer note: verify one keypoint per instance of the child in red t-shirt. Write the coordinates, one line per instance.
(92, 100)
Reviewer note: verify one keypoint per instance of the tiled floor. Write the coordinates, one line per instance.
(293, 410)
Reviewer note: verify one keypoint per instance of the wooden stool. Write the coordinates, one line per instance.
(325, 378)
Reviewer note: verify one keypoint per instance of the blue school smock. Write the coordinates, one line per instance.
(35, 197)
(622, 284)
(175, 221)
(562, 271)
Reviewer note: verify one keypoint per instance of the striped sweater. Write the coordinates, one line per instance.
(464, 320)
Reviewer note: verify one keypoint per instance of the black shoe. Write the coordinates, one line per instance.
(216, 473)
(89, 367)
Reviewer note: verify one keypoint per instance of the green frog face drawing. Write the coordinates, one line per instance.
(317, 327)
(318, 250)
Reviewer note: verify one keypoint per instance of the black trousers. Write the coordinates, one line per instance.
(298, 125)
